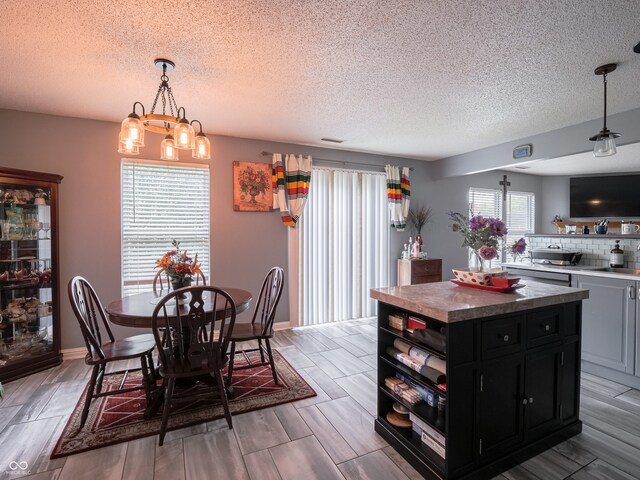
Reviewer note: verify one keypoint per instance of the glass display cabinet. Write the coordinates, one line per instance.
(29, 278)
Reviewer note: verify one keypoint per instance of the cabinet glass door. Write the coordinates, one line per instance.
(26, 318)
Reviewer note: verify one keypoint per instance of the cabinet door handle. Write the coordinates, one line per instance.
(525, 401)
(546, 327)
(632, 292)
(530, 400)
(505, 338)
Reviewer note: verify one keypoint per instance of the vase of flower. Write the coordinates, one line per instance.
(180, 282)
(253, 191)
(476, 262)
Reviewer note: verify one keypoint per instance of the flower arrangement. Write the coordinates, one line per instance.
(481, 234)
(517, 248)
(178, 265)
(254, 182)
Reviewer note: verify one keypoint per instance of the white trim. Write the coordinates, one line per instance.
(294, 273)
(277, 326)
(74, 353)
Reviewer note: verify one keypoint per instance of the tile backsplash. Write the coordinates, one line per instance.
(595, 248)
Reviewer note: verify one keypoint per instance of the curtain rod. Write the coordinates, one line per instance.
(340, 162)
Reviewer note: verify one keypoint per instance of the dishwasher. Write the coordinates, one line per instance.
(553, 278)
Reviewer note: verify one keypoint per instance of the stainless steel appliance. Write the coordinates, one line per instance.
(553, 278)
(555, 255)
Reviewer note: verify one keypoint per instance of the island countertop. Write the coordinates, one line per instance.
(449, 303)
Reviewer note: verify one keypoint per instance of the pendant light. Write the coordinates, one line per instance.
(168, 150)
(179, 134)
(605, 140)
(202, 148)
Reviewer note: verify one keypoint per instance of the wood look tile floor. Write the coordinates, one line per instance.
(329, 436)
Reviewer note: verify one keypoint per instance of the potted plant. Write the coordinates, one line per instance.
(418, 217)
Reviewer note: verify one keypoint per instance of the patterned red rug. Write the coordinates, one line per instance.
(119, 418)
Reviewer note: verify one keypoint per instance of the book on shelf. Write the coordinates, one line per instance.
(429, 435)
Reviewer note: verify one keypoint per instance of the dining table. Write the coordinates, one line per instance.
(137, 311)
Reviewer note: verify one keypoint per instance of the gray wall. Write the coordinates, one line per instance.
(244, 244)
(451, 194)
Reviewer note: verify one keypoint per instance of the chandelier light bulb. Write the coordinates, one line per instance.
(127, 147)
(168, 150)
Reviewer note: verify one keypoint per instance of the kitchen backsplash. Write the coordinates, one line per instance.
(595, 248)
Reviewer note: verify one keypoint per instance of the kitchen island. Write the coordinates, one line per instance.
(512, 368)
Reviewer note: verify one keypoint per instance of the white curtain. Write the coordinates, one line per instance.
(344, 245)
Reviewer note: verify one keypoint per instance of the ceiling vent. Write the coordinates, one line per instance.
(332, 140)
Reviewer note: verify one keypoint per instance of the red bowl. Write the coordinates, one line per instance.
(504, 282)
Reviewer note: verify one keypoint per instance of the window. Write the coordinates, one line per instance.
(343, 241)
(518, 212)
(161, 202)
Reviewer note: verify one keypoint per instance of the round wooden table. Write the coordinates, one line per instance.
(137, 310)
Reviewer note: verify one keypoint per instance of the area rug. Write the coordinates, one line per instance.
(119, 418)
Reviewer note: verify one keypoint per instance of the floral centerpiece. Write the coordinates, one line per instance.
(481, 234)
(254, 182)
(179, 266)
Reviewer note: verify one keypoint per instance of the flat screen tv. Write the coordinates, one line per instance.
(612, 196)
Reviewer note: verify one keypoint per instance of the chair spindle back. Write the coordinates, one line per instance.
(267, 304)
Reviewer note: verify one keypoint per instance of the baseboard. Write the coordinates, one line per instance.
(74, 353)
(281, 325)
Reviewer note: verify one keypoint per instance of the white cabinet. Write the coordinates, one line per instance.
(609, 322)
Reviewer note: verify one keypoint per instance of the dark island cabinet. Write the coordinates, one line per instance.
(511, 392)
(29, 273)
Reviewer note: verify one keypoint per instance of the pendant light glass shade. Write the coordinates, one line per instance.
(168, 150)
(184, 135)
(202, 151)
(132, 130)
(605, 145)
(127, 147)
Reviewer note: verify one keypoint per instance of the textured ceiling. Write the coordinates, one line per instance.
(422, 78)
(627, 159)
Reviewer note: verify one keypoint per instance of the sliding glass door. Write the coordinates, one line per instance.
(343, 240)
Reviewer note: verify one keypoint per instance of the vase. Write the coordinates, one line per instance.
(419, 240)
(476, 262)
(253, 191)
(178, 282)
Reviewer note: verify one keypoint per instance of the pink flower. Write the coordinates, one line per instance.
(488, 253)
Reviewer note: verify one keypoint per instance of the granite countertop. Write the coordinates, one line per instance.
(450, 303)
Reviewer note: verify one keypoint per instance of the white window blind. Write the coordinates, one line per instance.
(161, 202)
(519, 215)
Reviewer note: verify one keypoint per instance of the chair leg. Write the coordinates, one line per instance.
(261, 351)
(146, 378)
(87, 401)
(273, 364)
(101, 373)
(223, 396)
(152, 370)
(170, 383)
(231, 357)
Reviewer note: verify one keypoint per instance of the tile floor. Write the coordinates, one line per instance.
(330, 436)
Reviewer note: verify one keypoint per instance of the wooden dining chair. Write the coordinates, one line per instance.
(103, 348)
(162, 282)
(261, 326)
(189, 343)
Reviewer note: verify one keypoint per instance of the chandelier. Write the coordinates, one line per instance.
(178, 131)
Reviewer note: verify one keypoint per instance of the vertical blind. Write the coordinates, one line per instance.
(519, 214)
(344, 245)
(161, 202)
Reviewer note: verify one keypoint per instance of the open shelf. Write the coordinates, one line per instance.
(408, 337)
(415, 376)
(422, 410)
(411, 440)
